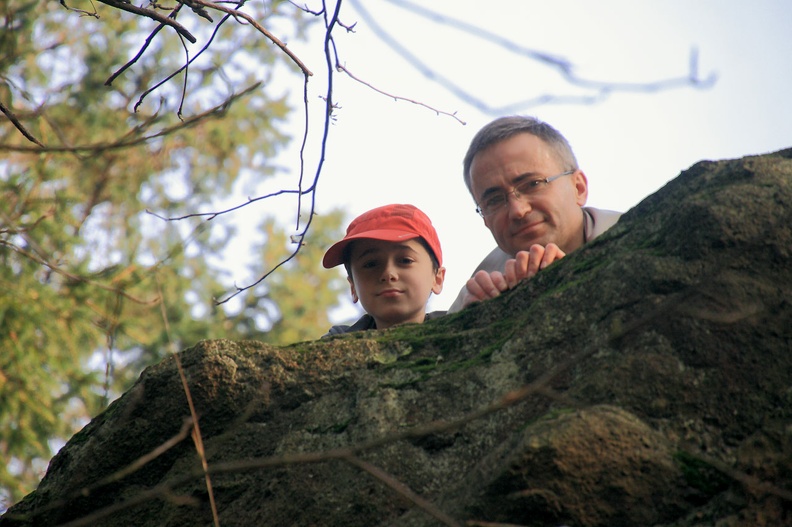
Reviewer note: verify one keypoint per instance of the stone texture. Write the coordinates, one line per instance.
(644, 380)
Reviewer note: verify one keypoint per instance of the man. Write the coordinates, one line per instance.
(529, 190)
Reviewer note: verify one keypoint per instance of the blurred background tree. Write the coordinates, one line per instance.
(295, 291)
(85, 268)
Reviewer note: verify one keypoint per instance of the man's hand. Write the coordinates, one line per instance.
(484, 285)
(524, 265)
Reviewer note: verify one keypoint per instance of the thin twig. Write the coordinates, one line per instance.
(323, 150)
(74, 277)
(186, 64)
(114, 477)
(144, 459)
(750, 483)
(150, 13)
(196, 429)
(275, 40)
(82, 12)
(218, 111)
(397, 97)
(19, 126)
(164, 490)
(140, 52)
(403, 490)
(601, 89)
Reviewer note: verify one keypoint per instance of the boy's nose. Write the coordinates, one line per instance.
(388, 274)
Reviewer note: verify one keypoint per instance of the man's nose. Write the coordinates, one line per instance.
(518, 204)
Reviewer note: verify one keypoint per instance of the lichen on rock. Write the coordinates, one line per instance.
(642, 380)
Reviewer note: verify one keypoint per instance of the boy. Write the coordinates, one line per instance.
(393, 262)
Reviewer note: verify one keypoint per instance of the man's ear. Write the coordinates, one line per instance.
(437, 287)
(581, 188)
(352, 290)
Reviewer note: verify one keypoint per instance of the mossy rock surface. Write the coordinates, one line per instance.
(643, 380)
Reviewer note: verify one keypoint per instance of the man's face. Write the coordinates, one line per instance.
(551, 214)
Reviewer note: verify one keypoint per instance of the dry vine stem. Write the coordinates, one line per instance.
(196, 429)
(165, 491)
(541, 386)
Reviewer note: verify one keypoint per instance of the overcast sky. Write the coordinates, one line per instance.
(629, 144)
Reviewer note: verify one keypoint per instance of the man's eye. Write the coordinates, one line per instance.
(529, 186)
(495, 201)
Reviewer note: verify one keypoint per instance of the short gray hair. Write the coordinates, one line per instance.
(505, 127)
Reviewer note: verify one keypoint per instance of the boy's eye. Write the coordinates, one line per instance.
(369, 264)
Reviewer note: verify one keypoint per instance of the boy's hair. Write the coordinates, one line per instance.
(347, 256)
(391, 223)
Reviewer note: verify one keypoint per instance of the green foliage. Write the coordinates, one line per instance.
(92, 287)
(291, 305)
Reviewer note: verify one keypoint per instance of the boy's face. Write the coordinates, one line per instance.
(393, 280)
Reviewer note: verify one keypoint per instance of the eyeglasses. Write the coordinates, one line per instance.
(496, 201)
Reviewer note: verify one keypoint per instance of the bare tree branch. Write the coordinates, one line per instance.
(330, 21)
(143, 48)
(133, 467)
(152, 14)
(396, 97)
(166, 490)
(196, 429)
(19, 126)
(403, 490)
(564, 67)
(82, 12)
(217, 111)
(186, 64)
(71, 276)
(240, 14)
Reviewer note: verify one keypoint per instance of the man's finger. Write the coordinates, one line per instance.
(510, 273)
(536, 252)
(475, 292)
(499, 282)
(485, 285)
(521, 260)
(552, 253)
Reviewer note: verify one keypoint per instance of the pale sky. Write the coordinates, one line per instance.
(383, 151)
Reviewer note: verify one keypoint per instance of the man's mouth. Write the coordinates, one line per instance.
(526, 227)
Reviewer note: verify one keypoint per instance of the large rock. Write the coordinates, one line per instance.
(644, 380)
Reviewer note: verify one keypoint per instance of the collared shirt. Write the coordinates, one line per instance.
(596, 221)
(366, 322)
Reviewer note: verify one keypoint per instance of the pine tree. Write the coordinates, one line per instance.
(93, 287)
(291, 305)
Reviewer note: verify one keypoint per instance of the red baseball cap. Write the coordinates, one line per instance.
(390, 223)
